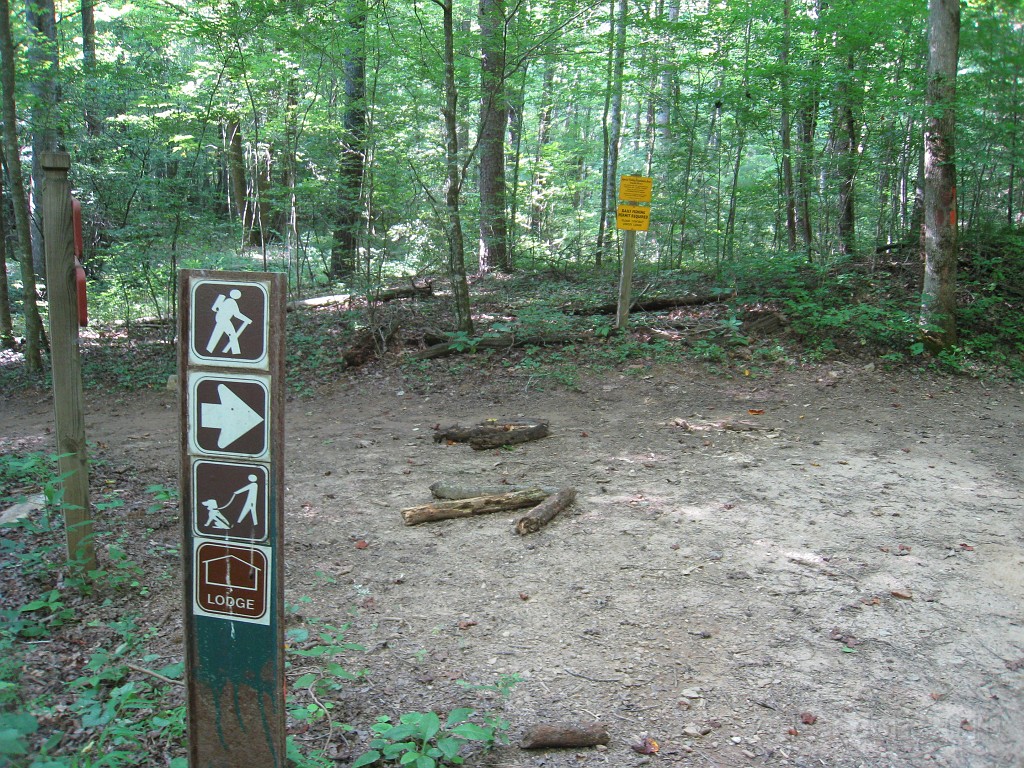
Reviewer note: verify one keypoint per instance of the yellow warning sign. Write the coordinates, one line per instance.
(635, 189)
(633, 217)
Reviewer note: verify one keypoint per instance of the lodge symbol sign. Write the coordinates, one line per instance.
(232, 581)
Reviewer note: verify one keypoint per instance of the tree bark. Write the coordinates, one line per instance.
(6, 321)
(546, 511)
(480, 505)
(938, 296)
(90, 110)
(786, 131)
(846, 150)
(33, 323)
(493, 253)
(44, 117)
(564, 735)
(345, 248)
(612, 128)
(453, 183)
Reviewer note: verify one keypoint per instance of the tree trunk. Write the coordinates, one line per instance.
(345, 249)
(938, 297)
(236, 173)
(90, 110)
(6, 322)
(846, 151)
(33, 322)
(493, 253)
(786, 131)
(612, 128)
(453, 183)
(41, 19)
(538, 203)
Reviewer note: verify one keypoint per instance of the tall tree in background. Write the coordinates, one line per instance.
(493, 118)
(345, 248)
(43, 61)
(612, 126)
(6, 322)
(453, 176)
(938, 296)
(12, 150)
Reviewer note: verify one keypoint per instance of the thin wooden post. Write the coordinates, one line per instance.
(626, 279)
(62, 295)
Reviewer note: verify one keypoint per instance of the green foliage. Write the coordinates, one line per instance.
(420, 740)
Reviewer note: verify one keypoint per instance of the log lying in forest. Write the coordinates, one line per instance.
(501, 341)
(413, 291)
(452, 491)
(564, 735)
(494, 434)
(480, 505)
(545, 512)
(653, 304)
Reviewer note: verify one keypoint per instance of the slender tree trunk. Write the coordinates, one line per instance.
(493, 253)
(345, 249)
(846, 152)
(33, 322)
(90, 110)
(786, 131)
(538, 203)
(41, 19)
(453, 183)
(236, 173)
(741, 137)
(938, 296)
(6, 321)
(613, 129)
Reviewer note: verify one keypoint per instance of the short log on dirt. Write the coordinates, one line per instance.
(545, 512)
(480, 505)
(564, 735)
(454, 491)
(494, 433)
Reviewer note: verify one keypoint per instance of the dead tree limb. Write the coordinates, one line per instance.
(564, 735)
(480, 505)
(454, 492)
(494, 434)
(545, 512)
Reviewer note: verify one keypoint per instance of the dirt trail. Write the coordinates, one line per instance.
(856, 560)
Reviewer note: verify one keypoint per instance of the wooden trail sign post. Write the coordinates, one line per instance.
(631, 217)
(231, 380)
(62, 297)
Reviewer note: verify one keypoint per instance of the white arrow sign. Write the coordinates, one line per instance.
(231, 416)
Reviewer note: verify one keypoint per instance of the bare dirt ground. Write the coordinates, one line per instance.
(841, 586)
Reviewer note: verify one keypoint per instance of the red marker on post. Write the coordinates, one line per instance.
(76, 222)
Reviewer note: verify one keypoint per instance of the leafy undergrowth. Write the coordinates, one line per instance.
(90, 676)
(774, 311)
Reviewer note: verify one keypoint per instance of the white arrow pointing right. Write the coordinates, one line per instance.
(232, 416)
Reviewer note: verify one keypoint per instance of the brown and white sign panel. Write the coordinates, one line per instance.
(230, 500)
(232, 581)
(228, 323)
(229, 415)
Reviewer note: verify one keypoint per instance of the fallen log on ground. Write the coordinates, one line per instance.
(564, 735)
(454, 492)
(480, 505)
(502, 341)
(653, 304)
(545, 512)
(494, 434)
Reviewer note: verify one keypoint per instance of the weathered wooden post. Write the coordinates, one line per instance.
(62, 295)
(630, 217)
(231, 379)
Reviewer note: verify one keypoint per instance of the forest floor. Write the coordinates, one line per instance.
(842, 584)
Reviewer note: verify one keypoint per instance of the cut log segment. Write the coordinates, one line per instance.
(564, 735)
(494, 434)
(412, 291)
(454, 492)
(480, 505)
(545, 512)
